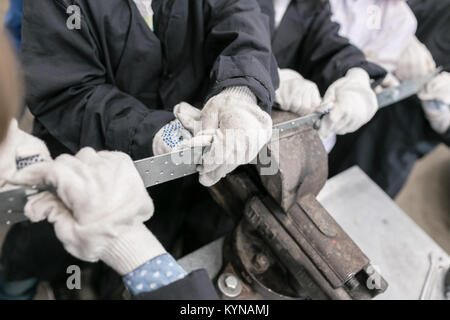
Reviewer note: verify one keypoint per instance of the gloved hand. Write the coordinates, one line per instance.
(352, 103)
(101, 206)
(177, 134)
(415, 62)
(437, 89)
(237, 129)
(296, 94)
(436, 102)
(438, 114)
(18, 150)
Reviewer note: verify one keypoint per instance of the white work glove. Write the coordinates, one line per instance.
(437, 89)
(101, 206)
(352, 103)
(237, 129)
(296, 94)
(19, 150)
(177, 134)
(415, 62)
(438, 114)
(436, 102)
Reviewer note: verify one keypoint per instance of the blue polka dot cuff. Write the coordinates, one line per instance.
(154, 274)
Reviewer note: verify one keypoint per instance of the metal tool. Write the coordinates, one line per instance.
(407, 89)
(286, 245)
(172, 166)
(434, 270)
(447, 285)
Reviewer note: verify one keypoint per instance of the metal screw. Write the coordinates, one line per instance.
(352, 284)
(229, 285)
(261, 262)
(231, 282)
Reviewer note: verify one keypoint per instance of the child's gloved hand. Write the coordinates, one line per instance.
(352, 103)
(296, 94)
(415, 62)
(237, 129)
(437, 89)
(100, 209)
(18, 150)
(178, 133)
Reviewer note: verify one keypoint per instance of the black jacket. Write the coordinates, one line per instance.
(307, 41)
(196, 286)
(113, 84)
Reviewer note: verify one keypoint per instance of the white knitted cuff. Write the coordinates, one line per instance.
(132, 249)
(242, 93)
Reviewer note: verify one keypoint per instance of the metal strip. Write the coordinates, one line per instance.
(172, 166)
(407, 89)
(13, 201)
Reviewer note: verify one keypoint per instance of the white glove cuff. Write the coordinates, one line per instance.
(243, 93)
(132, 249)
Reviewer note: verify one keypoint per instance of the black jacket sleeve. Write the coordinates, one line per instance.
(325, 56)
(67, 89)
(238, 49)
(196, 286)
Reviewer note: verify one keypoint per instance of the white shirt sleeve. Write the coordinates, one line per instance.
(380, 28)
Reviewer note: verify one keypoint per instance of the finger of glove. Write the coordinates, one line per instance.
(202, 140)
(65, 174)
(69, 175)
(307, 102)
(211, 178)
(189, 116)
(328, 126)
(325, 130)
(39, 207)
(212, 159)
(390, 81)
(437, 89)
(316, 98)
(31, 175)
(221, 149)
(279, 99)
(333, 122)
(88, 156)
(211, 113)
(65, 229)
